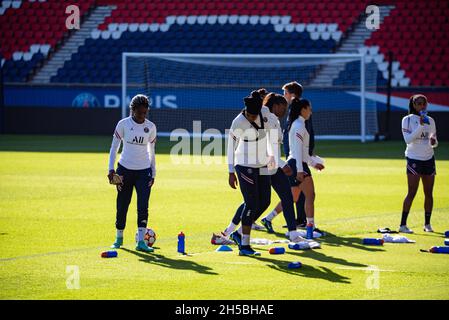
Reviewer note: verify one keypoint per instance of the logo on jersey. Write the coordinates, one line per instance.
(146, 130)
(138, 140)
(265, 119)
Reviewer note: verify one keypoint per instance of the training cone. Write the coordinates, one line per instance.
(224, 248)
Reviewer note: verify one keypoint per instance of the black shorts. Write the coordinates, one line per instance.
(419, 167)
(292, 178)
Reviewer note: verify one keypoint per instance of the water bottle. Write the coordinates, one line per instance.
(446, 242)
(425, 118)
(109, 254)
(446, 234)
(309, 231)
(373, 241)
(439, 249)
(294, 265)
(181, 242)
(277, 250)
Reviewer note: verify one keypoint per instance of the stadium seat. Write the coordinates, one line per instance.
(400, 31)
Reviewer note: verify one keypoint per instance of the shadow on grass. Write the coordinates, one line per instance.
(305, 270)
(353, 242)
(174, 264)
(431, 234)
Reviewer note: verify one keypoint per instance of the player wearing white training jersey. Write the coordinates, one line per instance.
(419, 132)
(249, 156)
(136, 168)
(299, 158)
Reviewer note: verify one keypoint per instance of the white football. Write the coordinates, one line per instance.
(149, 237)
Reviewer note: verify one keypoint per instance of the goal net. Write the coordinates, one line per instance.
(210, 88)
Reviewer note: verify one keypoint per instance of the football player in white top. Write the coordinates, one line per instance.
(249, 156)
(274, 107)
(299, 158)
(420, 135)
(136, 167)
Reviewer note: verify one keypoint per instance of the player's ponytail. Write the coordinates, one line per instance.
(253, 103)
(139, 100)
(295, 110)
(262, 92)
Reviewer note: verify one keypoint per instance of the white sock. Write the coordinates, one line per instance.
(230, 229)
(271, 215)
(245, 240)
(119, 233)
(240, 230)
(141, 233)
(310, 221)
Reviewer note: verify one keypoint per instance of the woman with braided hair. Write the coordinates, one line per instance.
(136, 167)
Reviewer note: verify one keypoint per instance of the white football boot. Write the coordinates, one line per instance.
(405, 229)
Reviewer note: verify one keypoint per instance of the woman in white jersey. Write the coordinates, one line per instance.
(419, 133)
(274, 107)
(299, 158)
(249, 156)
(136, 167)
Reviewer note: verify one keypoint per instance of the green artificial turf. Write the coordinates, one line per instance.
(57, 210)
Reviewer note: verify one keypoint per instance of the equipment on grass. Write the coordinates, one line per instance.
(109, 254)
(446, 242)
(149, 238)
(223, 248)
(304, 245)
(439, 249)
(181, 243)
(294, 265)
(386, 230)
(397, 239)
(277, 250)
(373, 241)
(446, 234)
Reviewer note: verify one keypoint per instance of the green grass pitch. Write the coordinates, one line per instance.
(57, 210)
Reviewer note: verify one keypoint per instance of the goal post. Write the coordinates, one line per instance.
(210, 88)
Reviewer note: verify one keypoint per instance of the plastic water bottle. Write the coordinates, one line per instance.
(109, 254)
(373, 241)
(294, 265)
(425, 118)
(181, 242)
(439, 249)
(277, 250)
(309, 231)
